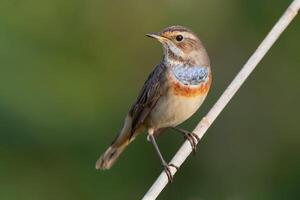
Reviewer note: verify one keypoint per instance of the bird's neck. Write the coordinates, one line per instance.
(170, 62)
(192, 59)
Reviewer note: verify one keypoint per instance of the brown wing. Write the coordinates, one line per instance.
(148, 97)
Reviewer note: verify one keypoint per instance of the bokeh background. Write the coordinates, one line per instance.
(69, 70)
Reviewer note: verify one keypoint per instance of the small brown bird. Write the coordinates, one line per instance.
(172, 93)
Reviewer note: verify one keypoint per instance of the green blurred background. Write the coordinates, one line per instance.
(69, 70)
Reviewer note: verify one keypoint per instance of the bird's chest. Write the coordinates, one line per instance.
(189, 81)
(172, 110)
(188, 75)
(181, 99)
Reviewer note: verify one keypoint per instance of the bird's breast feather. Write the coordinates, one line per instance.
(189, 81)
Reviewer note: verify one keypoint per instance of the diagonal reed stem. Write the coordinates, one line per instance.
(240, 78)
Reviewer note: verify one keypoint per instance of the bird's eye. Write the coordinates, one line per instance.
(179, 38)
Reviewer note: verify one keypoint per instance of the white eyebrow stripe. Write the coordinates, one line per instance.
(185, 34)
(188, 35)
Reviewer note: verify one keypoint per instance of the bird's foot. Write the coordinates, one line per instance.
(191, 137)
(168, 171)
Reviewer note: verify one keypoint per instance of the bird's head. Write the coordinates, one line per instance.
(181, 45)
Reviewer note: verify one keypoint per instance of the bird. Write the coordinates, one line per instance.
(171, 94)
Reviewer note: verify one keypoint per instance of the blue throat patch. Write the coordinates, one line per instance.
(190, 75)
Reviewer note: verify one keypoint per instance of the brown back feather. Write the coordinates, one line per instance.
(148, 97)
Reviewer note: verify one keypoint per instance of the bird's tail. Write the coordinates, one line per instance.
(108, 158)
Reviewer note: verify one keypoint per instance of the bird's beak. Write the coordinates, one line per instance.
(157, 36)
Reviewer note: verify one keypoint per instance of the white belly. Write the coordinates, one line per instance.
(172, 110)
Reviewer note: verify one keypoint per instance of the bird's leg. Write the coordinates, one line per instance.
(163, 162)
(190, 136)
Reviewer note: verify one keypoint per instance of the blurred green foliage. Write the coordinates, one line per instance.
(71, 69)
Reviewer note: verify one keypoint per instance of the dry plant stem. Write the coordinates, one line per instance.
(240, 78)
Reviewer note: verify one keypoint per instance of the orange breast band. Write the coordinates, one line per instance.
(190, 91)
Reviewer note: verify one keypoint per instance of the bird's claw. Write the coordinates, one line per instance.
(193, 139)
(190, 136)
(168, 171)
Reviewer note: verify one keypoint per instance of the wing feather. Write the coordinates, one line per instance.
(148, 97)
